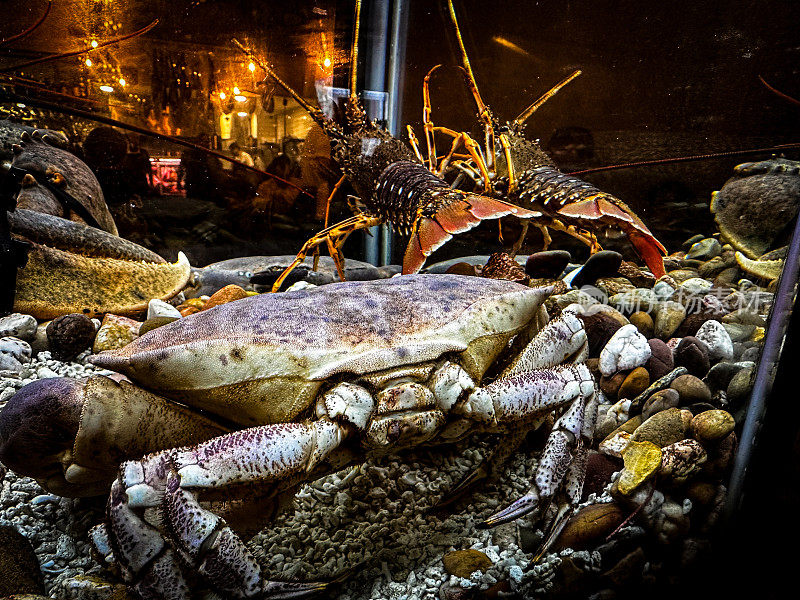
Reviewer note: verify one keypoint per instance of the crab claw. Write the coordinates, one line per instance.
(71, 435)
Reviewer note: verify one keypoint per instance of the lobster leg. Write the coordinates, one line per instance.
(335, 236)
(430, 139)
(412, 139)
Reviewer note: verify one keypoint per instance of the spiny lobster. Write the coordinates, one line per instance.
(520, 172)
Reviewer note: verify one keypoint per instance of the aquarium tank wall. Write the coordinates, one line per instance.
(397, 299)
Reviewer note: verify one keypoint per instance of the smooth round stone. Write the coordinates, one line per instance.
(663, 290)
(720, 457)
(664, 428)
(727, 277)
(159, 308)
(634, 384)
(661, 360)
(663, 400)
(682, 460)
(574, 297)
(599, 469)
(463, 268)
(750, 354)
(463, 563)
(19, 566)
(614, 285)
(668, 317)
(610, 385)
(711, 268)
(627, 349)
(691, 389)
(155, 323)
(229, 293)
(739, 332)
(716, 338)
(590, 524)
(640, 299)
(19, 326)
(740, 386)
(712, 425)
(744, 316)
(642, 460)
(600, 326)
(643, 322)
(547, 265)
(681, 275)
(692, 241)
(701, 492)
(721, 374)
(693, 354)
(39, 342)
(696, 286)
(115, 332)
(600, 264)
(69, 335)
(705, 249)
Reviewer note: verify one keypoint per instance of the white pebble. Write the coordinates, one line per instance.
(627, 349)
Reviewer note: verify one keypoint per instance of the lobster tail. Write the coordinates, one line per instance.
(457, 212)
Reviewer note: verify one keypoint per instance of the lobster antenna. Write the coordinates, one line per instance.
(523, 116)
(30, 29)
(354, 52)
(482, 108)
(313, 111)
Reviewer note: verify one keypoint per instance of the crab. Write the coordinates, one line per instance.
(304, 383)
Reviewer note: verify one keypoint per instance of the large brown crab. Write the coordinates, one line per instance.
(321, 379)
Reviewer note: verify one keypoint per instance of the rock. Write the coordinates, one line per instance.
(39, 342)
(600, 324)
(14, 353)
(610, 385)
(681, 275)
(697, 313)
(705, 249)
(663, 428)
(640, 299)
(638, 277)
(227, 294)
(502, 266)
(691, 389)
(659, 384)
(547, 265)
(574, 297)
(696, 286)
(115, 332)
(643, 322)
(711, 268)
(692, 240)
(739, 388)
(668, 316)
(716, 338)
(720, 457)
(754, 207)
(615, 444)
(728, 276)
(19, 326)
(693, 354)
(448, 591)
(462, 563)
(739, 332)
(744, 316)
(627, 349)
(662, 290)
(634, 384)
(721, 374)
(659, 401)
(69, 335)
(682, 460)
(627, 571)
(642, 460)
(19, 567)
(701, 492)
(93, 587)
(712, 425)
(613, 285)
(661, 361)
(750, 354)
(154, 323)
(159, 308)
(600, 264)
(599, 469)
(590, 524)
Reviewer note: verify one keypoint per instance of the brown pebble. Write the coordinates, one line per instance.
(227, 294)
(611, 385)
(69, 335)
(701, 492)
(155, 323)
(462, 563)
(189, 310)
(663, 428)
(643, 322)
(712, 425)
(589, 524)
(635, 383)
(19, 567)
(691, 389)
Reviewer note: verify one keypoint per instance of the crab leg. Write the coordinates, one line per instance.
(155, 500)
